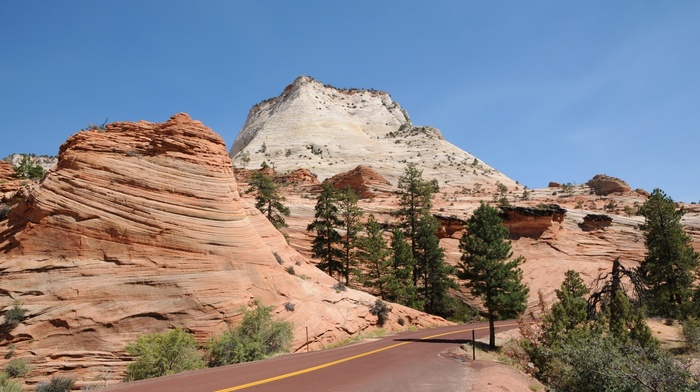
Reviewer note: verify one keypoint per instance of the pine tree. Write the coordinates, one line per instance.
(435, 275)
(350, 213)
(400, 287)
(570, 311)
(485, 266)
(374, 255)
(670, 264)
(268, 200)
(325, 245)
(415, 198)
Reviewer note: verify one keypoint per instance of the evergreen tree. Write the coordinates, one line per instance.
(415, 198)
(400, 287)
(435, 278)
(670, 264)
(374, 256)
(485, 266)
(268, 200)
(570, 311)
(350, 213)
(325, 245)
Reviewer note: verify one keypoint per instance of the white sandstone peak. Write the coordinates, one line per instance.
(330, 130)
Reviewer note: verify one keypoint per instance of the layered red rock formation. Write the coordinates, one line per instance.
(595, 222)
(531, 222)
(140, 228)
(363, 180)
(604, 185)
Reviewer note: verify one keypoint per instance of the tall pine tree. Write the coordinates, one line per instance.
(435, 278)
(400, 287)
(268, 200)
(350, 214)
(374, 253)
(325, 244)
(490, 274)
(415, 199)
(671, 264)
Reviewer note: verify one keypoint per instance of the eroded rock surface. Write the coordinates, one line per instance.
(363, 180)
(140, 228)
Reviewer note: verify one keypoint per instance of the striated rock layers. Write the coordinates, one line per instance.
(140, 228)
(531, 222)
(328, 130)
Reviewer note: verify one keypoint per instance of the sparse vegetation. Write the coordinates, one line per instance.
(18, 367)
(15, 315)
(29, 170)
(160, 354)
(257, 337)
(57, 384)
(9, 385)
(380, 309)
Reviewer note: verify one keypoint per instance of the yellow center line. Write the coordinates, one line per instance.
(332, 363)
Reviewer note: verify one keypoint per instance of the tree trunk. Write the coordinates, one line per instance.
(492, 331)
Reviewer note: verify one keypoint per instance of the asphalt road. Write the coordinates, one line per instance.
(407, 362)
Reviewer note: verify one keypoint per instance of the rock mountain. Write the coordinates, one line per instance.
(144, 226)
(139, 228)
(328, 130)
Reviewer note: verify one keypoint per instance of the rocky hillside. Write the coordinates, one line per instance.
(140, 228)
(328, 130)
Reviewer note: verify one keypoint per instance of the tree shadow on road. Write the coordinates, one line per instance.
(452, 341)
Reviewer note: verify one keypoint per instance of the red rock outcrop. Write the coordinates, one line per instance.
(450, 226)
(604, 185)
(301, 177)
(595, 222)
(363, 180)
(8, 183)
(140, 228)
(531, 222)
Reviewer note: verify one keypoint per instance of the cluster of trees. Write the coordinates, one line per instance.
(257, 337)
(409, 269)
(594, 341)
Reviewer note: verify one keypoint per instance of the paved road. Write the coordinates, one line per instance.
(406, 362)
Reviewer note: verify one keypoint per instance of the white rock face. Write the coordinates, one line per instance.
(329, 131)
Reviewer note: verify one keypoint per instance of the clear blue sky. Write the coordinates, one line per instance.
(541, 90)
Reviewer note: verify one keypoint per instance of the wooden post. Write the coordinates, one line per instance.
(307, 339)
(473, 346)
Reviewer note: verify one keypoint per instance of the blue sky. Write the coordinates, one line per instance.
(541, 90)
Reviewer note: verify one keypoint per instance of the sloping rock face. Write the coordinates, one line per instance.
(140, 228)
(328, 130)
(604, 185)
(531, 222)
(363, 180)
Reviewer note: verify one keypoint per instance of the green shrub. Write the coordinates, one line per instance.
(15, 315)
(9, 385)
(18, 367)
(691, 333)
(279, 259)
(290, 270)
(57, 384)
(160, 354)
(381, 310)
(257, 337)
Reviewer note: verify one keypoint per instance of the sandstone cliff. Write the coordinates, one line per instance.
(328, 130)
(139, 228)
